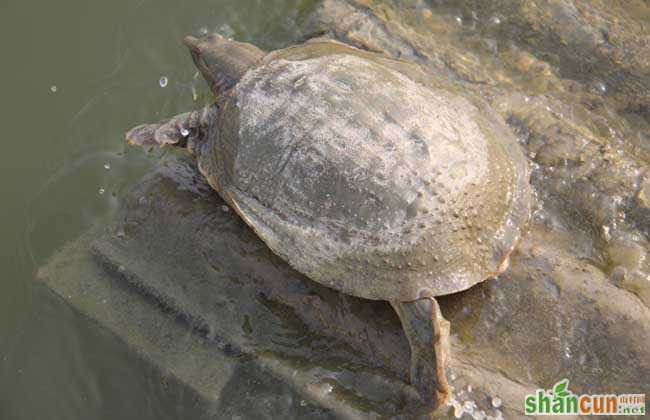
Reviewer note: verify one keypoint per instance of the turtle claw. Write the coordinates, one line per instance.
(142, 135)
(177, 131)
(160, 134)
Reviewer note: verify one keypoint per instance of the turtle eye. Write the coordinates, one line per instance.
(213, 39)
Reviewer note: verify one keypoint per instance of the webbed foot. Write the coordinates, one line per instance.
(158, 134)
(428, 335)
(174, 131)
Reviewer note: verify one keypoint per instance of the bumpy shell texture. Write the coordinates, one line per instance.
(368, 177)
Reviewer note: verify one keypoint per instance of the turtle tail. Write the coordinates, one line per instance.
(187, 130)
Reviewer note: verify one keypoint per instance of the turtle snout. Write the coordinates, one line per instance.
(208, 41)
(191, 42)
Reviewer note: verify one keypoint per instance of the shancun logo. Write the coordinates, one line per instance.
(561, 401)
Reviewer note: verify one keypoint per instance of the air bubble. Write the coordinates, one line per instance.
(496, 402)
(163, 81)
(101, 191)
(107, 166)
(53, 88)
(185, 132)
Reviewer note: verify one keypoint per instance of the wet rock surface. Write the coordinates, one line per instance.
(177, 242)
(550, 315)
(571, 78)
(576, 294)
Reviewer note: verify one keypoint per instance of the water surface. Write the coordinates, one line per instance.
(74, 76)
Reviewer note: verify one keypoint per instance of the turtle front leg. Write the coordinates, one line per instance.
(428, 335)
(174, 131)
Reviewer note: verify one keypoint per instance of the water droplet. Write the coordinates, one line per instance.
(496, 402)
(120, 233)
(567, 352)
(327, 388)
(600, 87)
(185, 132)
(163, 81)
(469, 407)
(107, 166)
(101, 191)
(53, 88)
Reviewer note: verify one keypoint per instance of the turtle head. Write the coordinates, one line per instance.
(222, 61)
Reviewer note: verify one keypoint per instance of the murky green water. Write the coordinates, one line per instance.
(74, 76)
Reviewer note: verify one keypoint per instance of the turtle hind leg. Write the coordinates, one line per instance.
(177, 131)
(428, 336)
